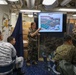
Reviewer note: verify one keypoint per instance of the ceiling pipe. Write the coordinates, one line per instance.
(30, 3)
(65, 2)
(21, 3)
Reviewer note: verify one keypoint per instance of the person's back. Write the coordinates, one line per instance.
(63, 52)
(7, 52)
(65, 56)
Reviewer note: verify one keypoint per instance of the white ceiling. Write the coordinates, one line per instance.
(37, 5)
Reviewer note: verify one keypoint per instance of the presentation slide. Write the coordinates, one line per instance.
(50, 22)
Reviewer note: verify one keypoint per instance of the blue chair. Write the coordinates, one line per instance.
(54, 70)
(8, 69)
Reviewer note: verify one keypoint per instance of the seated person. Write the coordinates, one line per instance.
(19, 60)
(66, 51)
(7, 52)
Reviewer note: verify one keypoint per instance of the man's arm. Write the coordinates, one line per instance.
(57, 55)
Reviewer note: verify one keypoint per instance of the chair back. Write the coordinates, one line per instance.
(6, 69)
(54, 70)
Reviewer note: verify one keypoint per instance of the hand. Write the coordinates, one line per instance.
(39, 28)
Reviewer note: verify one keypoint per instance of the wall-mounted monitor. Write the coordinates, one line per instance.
(50, 22)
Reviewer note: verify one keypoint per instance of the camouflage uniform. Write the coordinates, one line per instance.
(64, 52)
(66, 57)
(32, 46)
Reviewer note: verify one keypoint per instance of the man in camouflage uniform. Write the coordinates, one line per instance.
(65, 55)
(33, 44)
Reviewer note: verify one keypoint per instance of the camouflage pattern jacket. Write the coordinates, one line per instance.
(32, 40)
(65, 52)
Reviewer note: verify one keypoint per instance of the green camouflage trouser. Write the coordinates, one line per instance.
(33, 51)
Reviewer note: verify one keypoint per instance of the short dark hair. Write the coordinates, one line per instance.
(10, 38)
(67, 37)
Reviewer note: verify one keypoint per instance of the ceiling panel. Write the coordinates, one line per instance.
(38, 4)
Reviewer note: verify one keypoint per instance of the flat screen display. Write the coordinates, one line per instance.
(50, 22)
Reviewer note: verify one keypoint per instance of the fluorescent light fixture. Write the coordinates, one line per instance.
(30, 11)
(30, 15)
(48, 2)
(74, 15)
(3, 2)
(67, 10)
(12, 0)
(48, 7)
(64, 2)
